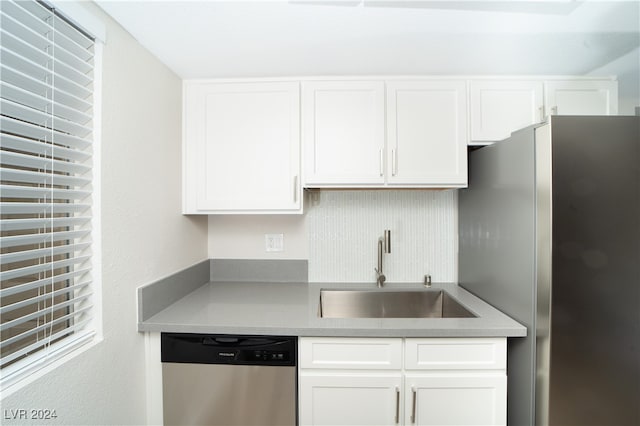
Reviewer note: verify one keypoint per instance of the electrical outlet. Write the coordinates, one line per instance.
(273, 242)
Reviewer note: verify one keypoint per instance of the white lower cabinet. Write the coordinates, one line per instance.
(349, 399)
(413, 381)
(455, 399)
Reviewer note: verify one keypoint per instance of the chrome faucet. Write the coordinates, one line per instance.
(384, 246)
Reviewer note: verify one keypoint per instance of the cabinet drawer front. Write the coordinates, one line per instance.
(365, 354)
(456, 354)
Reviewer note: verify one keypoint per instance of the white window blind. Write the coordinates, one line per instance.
(46, 111)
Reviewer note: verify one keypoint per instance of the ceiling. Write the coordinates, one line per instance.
(206, 39)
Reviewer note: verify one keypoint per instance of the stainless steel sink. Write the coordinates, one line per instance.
(390, 304)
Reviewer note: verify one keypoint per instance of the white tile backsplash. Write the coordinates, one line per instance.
(344, 227)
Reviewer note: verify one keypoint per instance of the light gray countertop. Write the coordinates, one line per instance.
(292, 309)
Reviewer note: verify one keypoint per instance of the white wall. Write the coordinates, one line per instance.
(627, 68)
(144, 237)
(242, 236)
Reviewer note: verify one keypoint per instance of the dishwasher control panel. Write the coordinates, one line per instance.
(226, 349)
(271, 355)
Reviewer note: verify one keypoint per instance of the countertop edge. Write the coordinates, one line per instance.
(330, 332)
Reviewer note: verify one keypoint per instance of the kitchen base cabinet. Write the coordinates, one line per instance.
(450, 399)
(412, 381)
(350, 381)
(335, 399)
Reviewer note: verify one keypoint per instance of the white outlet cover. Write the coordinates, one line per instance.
(273, 242)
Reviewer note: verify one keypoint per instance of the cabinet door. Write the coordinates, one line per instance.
(498, 108)
(242, 147)
(350, 399)
(581, 97)
(343, 132)
(427, 133)
(456, 400)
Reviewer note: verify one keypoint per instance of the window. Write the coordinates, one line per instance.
(47, 197)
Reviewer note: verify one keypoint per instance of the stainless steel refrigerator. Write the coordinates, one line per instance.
(549, 233)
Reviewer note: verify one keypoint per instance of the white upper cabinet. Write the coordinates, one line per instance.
(581, 97)
(427, 133)
(498, 107)
(343, 132)
(250, 146)
(241, 147)
(359, 134)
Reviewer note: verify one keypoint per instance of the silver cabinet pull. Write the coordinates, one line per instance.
(413, 405)
(541, 110)
(394, 165)
(381, 162)
(554, 110)
(397, 405)
(295, 189)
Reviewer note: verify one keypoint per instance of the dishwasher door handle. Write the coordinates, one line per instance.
(215, 341)
(240, 341)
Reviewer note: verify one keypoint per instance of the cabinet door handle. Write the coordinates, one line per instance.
(394, 166)
(397, 405)
(541, 110)
(381, 162)
(554, 110)
(295, 189)
(413, 405)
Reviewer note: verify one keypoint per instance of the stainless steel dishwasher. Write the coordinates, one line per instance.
(229, 380)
